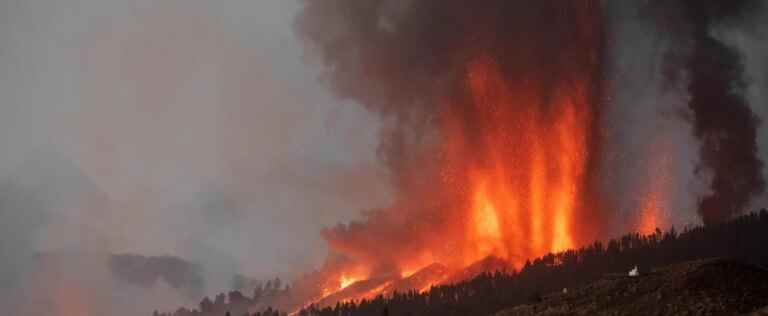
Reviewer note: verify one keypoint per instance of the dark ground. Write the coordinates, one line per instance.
(704, 287)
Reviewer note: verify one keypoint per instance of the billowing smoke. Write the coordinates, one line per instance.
(190, 129)
(484, 96)
(722, 119)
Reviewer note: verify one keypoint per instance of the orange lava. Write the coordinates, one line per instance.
(518, 175)
(346, 281)
(525, 178)
(490, 135)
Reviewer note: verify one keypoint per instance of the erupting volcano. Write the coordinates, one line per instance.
(493, 133)
(518, 181)
(375, 157)
(492, 141)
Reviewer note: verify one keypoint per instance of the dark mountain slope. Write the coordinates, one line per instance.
(704, 287)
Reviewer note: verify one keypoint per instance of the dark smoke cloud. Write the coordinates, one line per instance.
(722, 119)
(407, 60)
(400, 58)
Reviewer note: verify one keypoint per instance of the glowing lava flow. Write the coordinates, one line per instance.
(346, 281)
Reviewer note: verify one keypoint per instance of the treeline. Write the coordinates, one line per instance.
(744, 238)
(235, 303)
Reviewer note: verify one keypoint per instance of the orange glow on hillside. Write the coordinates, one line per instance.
(346, 281)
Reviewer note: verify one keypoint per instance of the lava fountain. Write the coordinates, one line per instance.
(491, 134)
(518, 180)
(526, 179)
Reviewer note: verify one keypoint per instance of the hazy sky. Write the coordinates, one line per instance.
(190, 128)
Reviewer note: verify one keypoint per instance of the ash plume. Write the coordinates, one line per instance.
(407, 61)
(718, 108)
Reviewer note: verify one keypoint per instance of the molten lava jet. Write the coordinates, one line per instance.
(490, 133)
(526, 180)
(519, 180)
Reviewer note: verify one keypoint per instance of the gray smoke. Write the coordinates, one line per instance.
(187, 129)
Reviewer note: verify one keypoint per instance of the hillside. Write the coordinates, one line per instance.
(704, 287)
(742, 239)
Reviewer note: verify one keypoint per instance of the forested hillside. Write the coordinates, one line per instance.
(742, 239)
